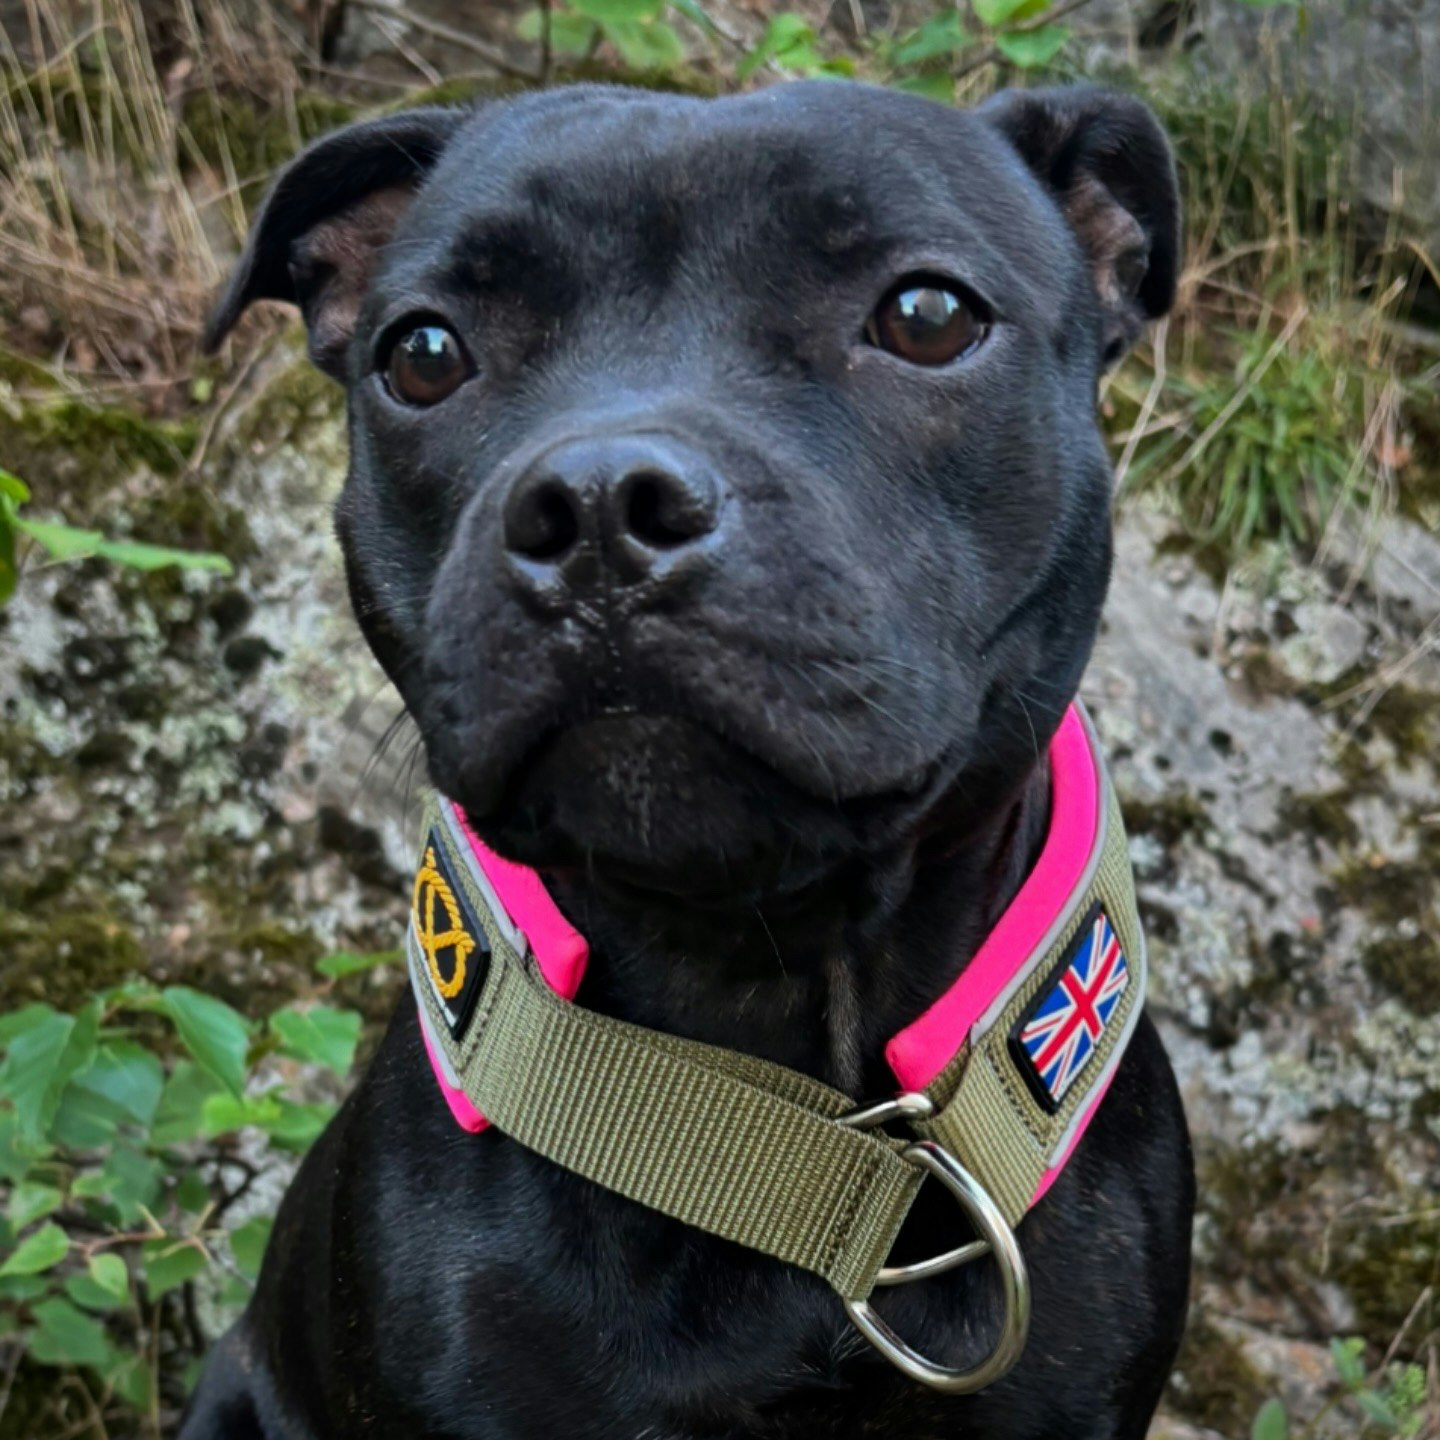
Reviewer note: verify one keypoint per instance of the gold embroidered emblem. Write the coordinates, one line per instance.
(439, 926)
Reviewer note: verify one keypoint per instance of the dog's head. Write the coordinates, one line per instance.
(726, 490)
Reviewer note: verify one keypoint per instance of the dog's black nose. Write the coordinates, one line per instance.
(614, 509)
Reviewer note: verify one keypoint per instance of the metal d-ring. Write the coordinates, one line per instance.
(910, 1105)
(996, 1238)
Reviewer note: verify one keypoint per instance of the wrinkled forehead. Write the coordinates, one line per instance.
(638, 186)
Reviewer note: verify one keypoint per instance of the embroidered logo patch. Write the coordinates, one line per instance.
(452, 943)
(1058, 1034)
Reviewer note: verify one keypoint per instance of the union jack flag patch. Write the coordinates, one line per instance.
(1058, 1034)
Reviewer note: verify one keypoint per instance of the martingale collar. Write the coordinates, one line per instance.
(997, 1079)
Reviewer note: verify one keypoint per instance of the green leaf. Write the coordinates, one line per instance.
(129, 1376)
(129, 1178)
(13, 488)
(343, 962)
(223, 1112)
(248, 1242)
(645, 44)
(181, 1113)
(128, 1076)
(169, 1263)
(212, 1032)
(787, 37)
(47, 1247)
(936, 38)
(23, 1288)
(17, 1154)
(995, 13)
(1348, 1356)
(932, 84)
(298, 1127)
(1377, 1411)
(617, 12)
(192, 1194)
(67, 1336)
(85, 1120)
(64, 542)
(569, 34)
(1029, 48)
(110, 1275)
(40, 1061)
(90, 1296)
(321, 1034)
(136, 555)
(1271, 1422)
(33, 1201)
(9, 571)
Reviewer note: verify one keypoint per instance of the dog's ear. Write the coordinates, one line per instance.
(317, 237)
(1105, 159)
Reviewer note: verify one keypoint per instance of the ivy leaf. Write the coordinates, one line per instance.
(169, 1263)
(321, 1034)
(1029, 48)
(39, 1252)
(1377, 1411)
(17, 1022)
(67, 1336)
(136, 555)
(1271, 1422)
(344, 962)
(216, 1035)
(32, 1201)
(248, 1242)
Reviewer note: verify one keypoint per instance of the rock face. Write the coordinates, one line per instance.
(191, 789)
(1372, 66)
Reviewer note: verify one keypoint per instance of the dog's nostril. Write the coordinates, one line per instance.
(543, 525)
(662, 512)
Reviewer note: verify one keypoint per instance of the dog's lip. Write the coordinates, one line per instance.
(914, 784)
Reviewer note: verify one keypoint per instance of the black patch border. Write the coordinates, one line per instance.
(478, 966)
(1019, 1056)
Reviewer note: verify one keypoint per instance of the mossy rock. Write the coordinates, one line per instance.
(1214, 1384)
(1385, 1267)
(63, 955)
(1318, 815)
(1406, 967)
(1390, 891)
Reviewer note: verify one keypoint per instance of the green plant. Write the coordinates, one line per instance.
(69, 542)
(131, 1131)
(1390, 1402)
(636, 29)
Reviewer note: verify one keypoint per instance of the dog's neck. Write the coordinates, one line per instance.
(822, 984)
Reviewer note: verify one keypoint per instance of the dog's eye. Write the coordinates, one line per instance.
(426, 364)
(926, 323)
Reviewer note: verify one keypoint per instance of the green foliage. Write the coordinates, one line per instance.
(120, 1129)
(70, 543)
(1391, 1402)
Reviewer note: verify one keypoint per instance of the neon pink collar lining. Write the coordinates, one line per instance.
(924, 1047)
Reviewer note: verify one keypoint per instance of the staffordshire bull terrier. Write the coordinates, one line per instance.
(728, 505)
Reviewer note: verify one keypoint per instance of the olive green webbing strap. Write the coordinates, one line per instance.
(749, 1150)
(738, 1147)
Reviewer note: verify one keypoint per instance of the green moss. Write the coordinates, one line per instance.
(63, 955)
(292, 404)
(1318, 815)
(1384, 1268)
(1169, 818)
(90, 447)
(1263, 675)
(1407, 967)
(258, 139)
(1390, 891)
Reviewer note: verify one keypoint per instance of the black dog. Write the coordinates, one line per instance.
(727, 503)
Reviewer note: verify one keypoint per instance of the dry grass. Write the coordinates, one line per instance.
(113, 206)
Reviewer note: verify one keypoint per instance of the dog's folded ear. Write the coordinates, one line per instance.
(322, 226)
(1105, 159)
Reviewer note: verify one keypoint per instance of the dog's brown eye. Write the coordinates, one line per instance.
(926, 324)
(426, 364)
